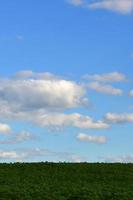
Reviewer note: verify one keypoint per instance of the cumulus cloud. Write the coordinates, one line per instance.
(38, 94)
(28, 94)
(119, 6)
(5, 128)
(108, 77)
(105, 88)
(76, 120)
(119, 118)
(92, 138)
(42, 98)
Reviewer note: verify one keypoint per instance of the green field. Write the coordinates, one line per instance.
(66, 181)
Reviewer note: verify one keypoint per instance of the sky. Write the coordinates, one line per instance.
(66, 83)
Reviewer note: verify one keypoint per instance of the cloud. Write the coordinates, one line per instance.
(130, 107)
(119, 159)
(105, 88)
(131, 93)
(119, 118)
(29, 74)
(5, 128)
(76, 158)
(19, 38)
(108, 77)
(22, 136)
(75, 119)
(8, 155)
(17, 138)
(91, 138)
(42, 99)
(120, 6)
(24, 155)
(21, 154)
(76, 2)
(42, 93)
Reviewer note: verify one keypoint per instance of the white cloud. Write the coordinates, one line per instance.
(22, 136)
(22, 154)
(104, 88)
(131, 93)
(17, 138)
(76, 120)
(41, 98)
(108, 77)
(5, 128)
(28, 94)
(119, 118)
(38, 94)
(119, 159)
(76, 158)
(8, 155)
(91, 138)
(26, 155)
(130, 107)
(76, 2)
(29, 74)
(120, 6)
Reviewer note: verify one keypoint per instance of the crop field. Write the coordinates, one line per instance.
(66, 181)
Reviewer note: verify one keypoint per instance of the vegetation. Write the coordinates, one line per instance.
(66, 181)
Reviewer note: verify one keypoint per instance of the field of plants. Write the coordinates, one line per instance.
(66, 181)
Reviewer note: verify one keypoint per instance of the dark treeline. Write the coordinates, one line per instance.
(66, 181)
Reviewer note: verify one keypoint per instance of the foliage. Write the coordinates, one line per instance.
(66, 181)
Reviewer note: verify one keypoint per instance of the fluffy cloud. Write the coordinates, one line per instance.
(103, 88)
(5, 128)
(41, 98)
(32, 94)
(28, 94)
(91, 138)
(119, 118)
(119, 6)
(108, 77)
(77, 120)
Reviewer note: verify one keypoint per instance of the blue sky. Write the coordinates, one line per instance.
(66, 91)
